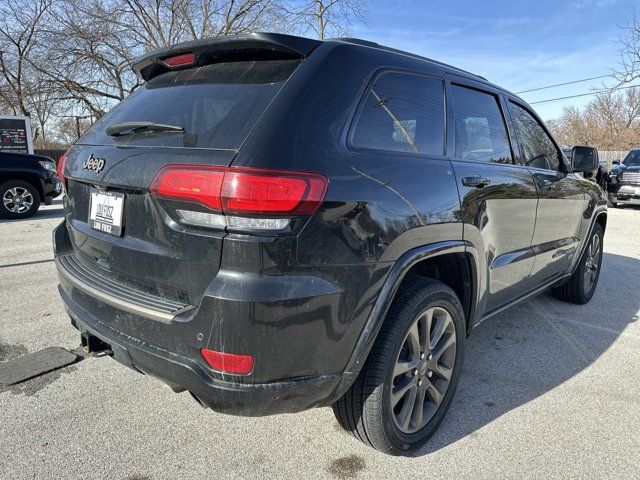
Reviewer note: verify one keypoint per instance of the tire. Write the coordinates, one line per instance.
(582, 284)
(29, 200)
(366, 410)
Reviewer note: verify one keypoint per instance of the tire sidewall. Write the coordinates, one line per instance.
(20, 184)
(443, 299)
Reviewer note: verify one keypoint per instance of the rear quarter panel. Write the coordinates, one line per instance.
(378, 205)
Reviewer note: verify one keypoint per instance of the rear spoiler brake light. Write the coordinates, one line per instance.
(254, 46)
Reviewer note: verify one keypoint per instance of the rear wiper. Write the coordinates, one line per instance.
(134, 127)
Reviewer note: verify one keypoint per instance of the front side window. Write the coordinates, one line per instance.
(481, 133)
(537, 147)
(402, 113)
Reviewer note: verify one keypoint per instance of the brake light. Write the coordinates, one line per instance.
(180, 60)
(272, 192)
(228, 362)
(199, 184)
(242, 190)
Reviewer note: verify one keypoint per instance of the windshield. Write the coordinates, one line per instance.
(632, 159)
(214, 106)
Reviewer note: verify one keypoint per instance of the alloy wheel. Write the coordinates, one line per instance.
(423, 369)
(17, 200)
(592, 263)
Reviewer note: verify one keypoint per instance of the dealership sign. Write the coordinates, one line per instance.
(15, 135)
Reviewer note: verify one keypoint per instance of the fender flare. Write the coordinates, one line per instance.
(602, 211)
(387, 293)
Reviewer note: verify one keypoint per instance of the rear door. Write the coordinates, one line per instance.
(562, 202)
(211, 110)
(498, 198)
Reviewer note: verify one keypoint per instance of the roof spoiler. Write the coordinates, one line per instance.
(253, 46)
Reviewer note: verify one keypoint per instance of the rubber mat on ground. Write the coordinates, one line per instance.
(34, 364)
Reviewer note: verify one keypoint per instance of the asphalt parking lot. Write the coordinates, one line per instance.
(549, 390)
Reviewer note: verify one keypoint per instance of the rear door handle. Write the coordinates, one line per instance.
(476, 181)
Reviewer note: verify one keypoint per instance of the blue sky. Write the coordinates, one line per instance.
(518, 45)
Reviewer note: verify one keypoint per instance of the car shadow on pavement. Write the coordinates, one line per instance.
(528, 350)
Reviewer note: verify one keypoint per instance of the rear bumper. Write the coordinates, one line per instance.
(179, 372)
(288, 324)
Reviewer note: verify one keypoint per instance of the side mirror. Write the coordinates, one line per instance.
(584, 159)
(616, 162)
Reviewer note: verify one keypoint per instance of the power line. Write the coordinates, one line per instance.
(596, 92)
(563, 84)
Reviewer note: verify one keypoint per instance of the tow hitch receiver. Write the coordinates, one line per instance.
(92, 344)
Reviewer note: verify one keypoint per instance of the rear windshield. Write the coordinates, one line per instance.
(216, 105)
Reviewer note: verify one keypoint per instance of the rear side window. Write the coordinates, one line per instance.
(537, 147)
(402, 113)
(217, 105)
(481, 133)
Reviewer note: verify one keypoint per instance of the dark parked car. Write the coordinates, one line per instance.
(275, 223)
(26, 181)
(624, 180)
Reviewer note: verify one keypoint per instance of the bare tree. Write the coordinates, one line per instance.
(609, 122)
(90, 55)
(21, 30)
(211, 18)
(43, 101)
(329, 17)
(96, 41)
(629, 70)
(73, 57)
(67, 129)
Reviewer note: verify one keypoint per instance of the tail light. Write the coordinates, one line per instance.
(272, 192)
(60, 169)
(196, 184)
(258, 196)
(228, 362)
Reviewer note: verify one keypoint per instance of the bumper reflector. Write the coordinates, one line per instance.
(228, 362)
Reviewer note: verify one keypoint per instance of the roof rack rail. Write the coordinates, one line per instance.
(367, 43)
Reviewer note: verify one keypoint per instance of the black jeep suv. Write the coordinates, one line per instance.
(26, 181)
(275, 223)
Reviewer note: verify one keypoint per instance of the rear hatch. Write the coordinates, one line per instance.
(205, 112)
